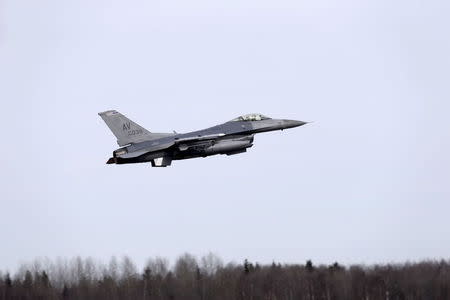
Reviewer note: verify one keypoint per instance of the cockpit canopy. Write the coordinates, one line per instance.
(250, 117)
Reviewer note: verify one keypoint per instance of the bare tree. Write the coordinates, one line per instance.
(185, 266)
(210, 263)
(113, 269)
(158, 266)
(127, 268)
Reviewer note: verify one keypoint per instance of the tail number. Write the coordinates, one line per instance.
(127, 127)
(135, 132)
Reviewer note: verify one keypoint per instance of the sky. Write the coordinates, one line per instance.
(367, 182)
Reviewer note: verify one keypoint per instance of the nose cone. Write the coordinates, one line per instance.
(293, 123)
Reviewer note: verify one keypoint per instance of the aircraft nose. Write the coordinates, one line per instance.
(293, 123)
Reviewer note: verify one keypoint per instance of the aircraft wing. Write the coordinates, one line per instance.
(198, 138)
(182, 143)
(185, 143)
(154, 147)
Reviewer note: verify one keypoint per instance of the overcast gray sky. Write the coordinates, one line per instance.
(368, 181)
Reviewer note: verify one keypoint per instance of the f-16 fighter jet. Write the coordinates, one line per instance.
(233, 137)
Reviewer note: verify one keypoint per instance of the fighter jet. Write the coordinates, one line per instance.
(138, 145)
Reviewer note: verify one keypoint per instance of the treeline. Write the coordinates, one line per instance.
(208, 278)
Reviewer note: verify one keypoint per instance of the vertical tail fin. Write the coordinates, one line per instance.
(125, 130)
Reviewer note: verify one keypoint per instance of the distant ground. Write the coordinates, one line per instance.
(209, 278)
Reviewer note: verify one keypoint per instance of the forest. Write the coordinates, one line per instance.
(208, 277)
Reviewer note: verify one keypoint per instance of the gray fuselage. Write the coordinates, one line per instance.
(229, 138)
